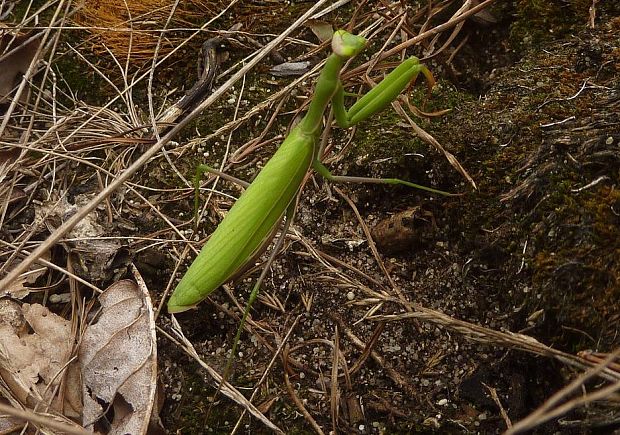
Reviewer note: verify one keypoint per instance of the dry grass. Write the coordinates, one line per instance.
(55, 147)
(131, 29)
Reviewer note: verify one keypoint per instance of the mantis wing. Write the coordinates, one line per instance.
(248, 223)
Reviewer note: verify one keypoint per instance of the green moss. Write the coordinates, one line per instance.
(541, 21)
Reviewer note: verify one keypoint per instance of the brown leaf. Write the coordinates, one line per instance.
(16, 61)
(19, 288)
(35, 346)
(95, 259)
(118, 357)
(322, 29)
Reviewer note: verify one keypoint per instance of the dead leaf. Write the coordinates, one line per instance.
(16, 60)
(291, 69)
(19, 288)
(118, 357)
(95, 259)
(35, 347)
(483, 17)
(322, 29)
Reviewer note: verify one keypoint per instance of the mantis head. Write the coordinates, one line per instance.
(347, 45)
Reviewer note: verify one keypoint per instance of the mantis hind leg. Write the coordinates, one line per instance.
(325, 173)
(290, 213)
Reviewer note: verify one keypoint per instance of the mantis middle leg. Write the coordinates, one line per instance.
(374, 101)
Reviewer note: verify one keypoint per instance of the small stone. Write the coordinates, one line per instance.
(442, 402)
(350, 296)
(609, 140)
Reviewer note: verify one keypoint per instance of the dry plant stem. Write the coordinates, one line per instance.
(455, 31)
(148, 154)
(231, 125)
(153, 120)
(141, 77)
(6, 202)
(422, 36)
(55, 267)
(29, 73)
(426, 137)
(298, 403)
(227, 389)
(41, 420)
(334, 395)
(366, 348)
(337, 261)
(247, 148)
(170, 282)
(547, 411)
(330, 8)
(490, 336)
(387, 42)
(502, 411)
(226, 152)
(262, 379)
(371, 244)
(110, 174)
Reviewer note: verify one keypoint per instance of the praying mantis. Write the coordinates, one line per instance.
(254, 219)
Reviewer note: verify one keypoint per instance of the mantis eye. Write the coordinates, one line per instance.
(346, 44)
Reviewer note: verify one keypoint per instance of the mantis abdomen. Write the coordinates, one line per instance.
(248, 223)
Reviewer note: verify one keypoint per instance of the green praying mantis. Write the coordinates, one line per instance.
(254, 219)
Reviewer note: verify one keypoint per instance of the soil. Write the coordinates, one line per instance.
(534, 103)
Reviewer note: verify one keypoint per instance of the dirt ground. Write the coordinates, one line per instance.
(534, 107)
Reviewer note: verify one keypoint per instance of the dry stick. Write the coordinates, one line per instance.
(426, 137)
(267, 370)
(367, 349)
(134, 82)
(547, 411)
(334, 396)
(371, 244)
(57, 268)
(148, 154)
(227, 389)
(298, 403)
(42, 420)
(29, 73)
(422, 36)
(502, 411)
(100, 169)
(454, 34)
(357, 70)
(484, 335)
